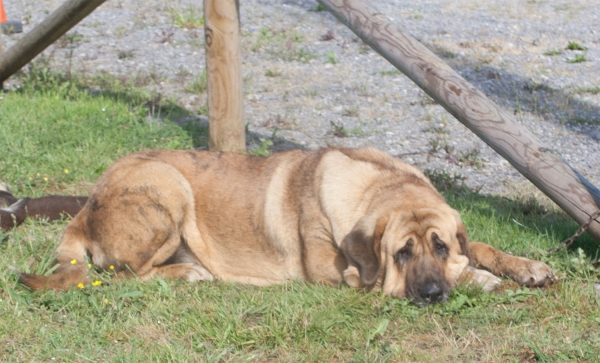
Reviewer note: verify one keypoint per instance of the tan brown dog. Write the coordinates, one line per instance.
(334, 216)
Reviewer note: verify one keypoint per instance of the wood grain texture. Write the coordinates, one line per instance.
(540, 164)
(1, 81)
(45, 33)
(224, 76)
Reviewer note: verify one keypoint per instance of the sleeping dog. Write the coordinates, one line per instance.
(335, 216)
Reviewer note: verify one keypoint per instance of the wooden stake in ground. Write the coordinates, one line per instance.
(543, 167)
(224, 75)
(45, 33)
(1, 82)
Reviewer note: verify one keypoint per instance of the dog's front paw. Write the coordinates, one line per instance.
(533, 273)
(484, 279)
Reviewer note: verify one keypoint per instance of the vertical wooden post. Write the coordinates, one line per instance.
(224, 75)
(1, 82)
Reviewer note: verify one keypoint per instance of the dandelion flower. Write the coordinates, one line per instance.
(45, 178)
(66, 171)
(112, 267)
(80, 285)
(97, 283)
(73, 262)
(89, 265)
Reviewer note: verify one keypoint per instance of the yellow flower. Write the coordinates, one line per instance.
(38, 175)
(106, 301)
(73, 261)
(80, 285)
(89, 265)
(66, 171)
(45, 179)
(112, 267)
(97, 283)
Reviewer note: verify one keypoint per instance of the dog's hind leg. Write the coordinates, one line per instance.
(188, 271)
(183, 264)
(135, 222)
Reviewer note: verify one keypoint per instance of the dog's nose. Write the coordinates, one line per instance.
(432, 292)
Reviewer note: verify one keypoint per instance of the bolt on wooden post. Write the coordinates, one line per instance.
(224, 75)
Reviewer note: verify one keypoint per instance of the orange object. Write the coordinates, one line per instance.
(9, 26)
(2, 13)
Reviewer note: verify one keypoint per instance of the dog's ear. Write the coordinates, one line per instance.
(463, 239)
(362, 248)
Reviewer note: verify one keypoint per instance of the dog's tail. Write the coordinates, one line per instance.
(72, 267)
(61, 279)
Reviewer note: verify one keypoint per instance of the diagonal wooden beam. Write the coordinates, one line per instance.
(45, 33)
(492, 124)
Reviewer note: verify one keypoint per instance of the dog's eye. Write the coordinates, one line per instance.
(440, 247)
(403, 254)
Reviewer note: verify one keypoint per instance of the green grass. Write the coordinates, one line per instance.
(575, 46)
(591, 90)
(579, 58)
(189, 18)
(394, 72)
(49, 130)
(553, 52)
(59, 137)
(200, 84)
(331, 58)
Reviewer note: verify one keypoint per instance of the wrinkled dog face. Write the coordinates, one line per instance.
(423, 255)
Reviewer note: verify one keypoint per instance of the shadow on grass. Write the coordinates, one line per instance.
(522, 94)
(527, 211)
(512, 90)
(155, 107)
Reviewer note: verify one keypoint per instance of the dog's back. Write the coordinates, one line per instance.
(241, 218)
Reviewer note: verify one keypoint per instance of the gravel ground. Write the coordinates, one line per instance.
(313, 81)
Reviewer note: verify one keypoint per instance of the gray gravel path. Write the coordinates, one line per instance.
(313, 80)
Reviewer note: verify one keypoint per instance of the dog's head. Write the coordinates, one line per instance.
(417, 254)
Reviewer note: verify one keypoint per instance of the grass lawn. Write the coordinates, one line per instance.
(59, 139)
